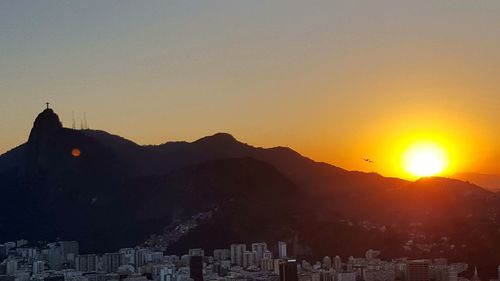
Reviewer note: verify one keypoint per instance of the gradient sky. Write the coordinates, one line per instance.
(337, 81)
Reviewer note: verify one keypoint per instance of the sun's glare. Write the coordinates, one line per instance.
(425, 159)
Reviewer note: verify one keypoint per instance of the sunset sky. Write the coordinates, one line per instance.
(338, 81)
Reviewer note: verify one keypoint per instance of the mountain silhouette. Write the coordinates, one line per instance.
(115, 193)
(489, 181)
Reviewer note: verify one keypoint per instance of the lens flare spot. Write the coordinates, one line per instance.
(75, 152)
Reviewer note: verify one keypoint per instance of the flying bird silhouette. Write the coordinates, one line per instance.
(368, 160)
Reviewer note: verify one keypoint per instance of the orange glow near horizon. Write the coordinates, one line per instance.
(298, 75)
(412, 143)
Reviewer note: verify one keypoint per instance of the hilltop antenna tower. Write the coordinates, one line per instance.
(73, 123)
(85, 121)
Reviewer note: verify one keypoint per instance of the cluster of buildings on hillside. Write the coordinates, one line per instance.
(61, 261)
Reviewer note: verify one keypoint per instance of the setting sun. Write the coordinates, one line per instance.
(425, 159)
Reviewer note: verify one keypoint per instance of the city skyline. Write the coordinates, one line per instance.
(63, 259)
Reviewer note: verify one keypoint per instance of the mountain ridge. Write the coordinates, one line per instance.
(488, 181)
(117, 193)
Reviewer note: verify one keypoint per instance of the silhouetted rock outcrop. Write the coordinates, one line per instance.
(40, 143)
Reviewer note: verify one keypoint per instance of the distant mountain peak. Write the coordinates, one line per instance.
(488, 181)
(219, 138)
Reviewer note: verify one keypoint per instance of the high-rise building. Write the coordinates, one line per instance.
(259, 249)
(27, 253)
(237, 253)
(111, 262)
(127, 256)
(452, 274)
(418, 270)
(276, 265)
(337, 262)
(326, 275)
(196, 268)
(460, 267)
(350, 263)
(69, 248)
(140, 257)
(163, 272)
(167, 273)
(249, 258)
(315, 276)
(267, 255)
(154, 257)
(197, 252)
(86, 263)
(266, 264)
(3, 251)
(222, 254)
(288, 270)
(21, 242)
(11, 267)
(10, 245)
(221, 268)
(327, 263)
(171, 259)
(282, 250)
(38, 267)
(55, 256)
